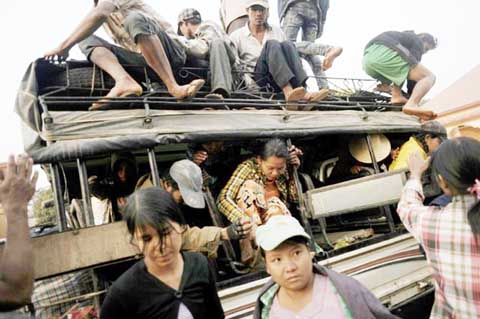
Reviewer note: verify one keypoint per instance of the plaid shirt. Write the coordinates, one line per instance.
(451, 250)
(250, 170)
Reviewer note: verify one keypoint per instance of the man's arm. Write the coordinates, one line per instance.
(16, 266)
(94, 19)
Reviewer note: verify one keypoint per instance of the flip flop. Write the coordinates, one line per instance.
(193, 89)
(106, 104)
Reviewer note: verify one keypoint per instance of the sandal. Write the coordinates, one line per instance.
(106, 103)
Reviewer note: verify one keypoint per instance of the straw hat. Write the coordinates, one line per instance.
(358, 148)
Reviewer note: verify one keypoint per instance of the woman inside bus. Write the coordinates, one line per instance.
(166, 283)
(259, 188)
(449, 235)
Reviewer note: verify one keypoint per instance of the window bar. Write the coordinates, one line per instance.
(58, 195)
(384, 209)
(87, 203)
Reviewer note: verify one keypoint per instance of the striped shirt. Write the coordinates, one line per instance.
(450, 248)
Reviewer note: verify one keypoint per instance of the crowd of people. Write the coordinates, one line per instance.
(174, 279)
(245, 49)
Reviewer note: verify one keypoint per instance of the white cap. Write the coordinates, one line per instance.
(278, 229)
(262, 3)
(188, 177)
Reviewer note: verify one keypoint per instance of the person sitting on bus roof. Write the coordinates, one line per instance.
(166, 282)
(206, 41)
(424, 143)
(275, 61)
(183, 181)
(259, 188)
(17, 187)
(145, 39)
(394, 57)
(301, 289)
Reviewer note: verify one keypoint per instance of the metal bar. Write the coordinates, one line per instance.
(301, 202)
(384, 209)
(87, 203)
(58, 194)
(153, 167)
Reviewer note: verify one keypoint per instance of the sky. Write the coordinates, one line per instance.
(30, 28)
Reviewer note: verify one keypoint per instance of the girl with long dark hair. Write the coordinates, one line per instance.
(449, 235)
(166, 283)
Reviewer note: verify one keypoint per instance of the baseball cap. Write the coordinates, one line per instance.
(358, 148)
(278, 229)
(187, 15)
(262, 3)
(188, 177)
(435, 128)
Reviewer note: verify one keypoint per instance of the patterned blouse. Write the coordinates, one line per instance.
(250, 170)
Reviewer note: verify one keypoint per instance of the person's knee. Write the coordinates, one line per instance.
(217, 43)
(288, 45)
(273, 44)
(137, 24)
(87, 45)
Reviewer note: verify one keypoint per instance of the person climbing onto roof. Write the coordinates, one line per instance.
(261, 187)
(206, 41)
(145, 39)
(394, 57)
(275, 62)
(450, 235)
(310, 17)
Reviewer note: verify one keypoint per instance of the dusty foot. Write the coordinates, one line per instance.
(188, 91)
(330, 57)
(295, 95)
(121, 89)
(398, 101)
(424, 115)
(316, 96)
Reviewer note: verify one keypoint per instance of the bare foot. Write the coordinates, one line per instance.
(316, 96)
(295, 94)
(332, 54)
(122, 88)
(188, 91)
(398, 101)
(424, 115)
